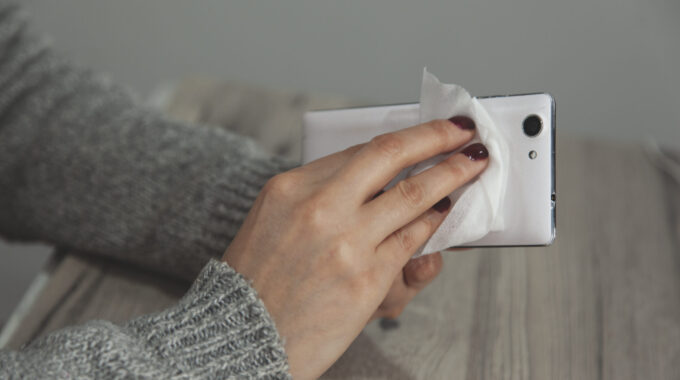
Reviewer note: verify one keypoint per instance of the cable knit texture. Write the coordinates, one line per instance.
(84, 167)
(220, 329)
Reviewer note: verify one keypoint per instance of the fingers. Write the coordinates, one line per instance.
(381, 159)
(327, 166)
(415, 276)
(395, 251)
(396, 299)
(411, 197)
(419, 272)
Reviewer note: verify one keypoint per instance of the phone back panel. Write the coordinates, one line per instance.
(529, 207)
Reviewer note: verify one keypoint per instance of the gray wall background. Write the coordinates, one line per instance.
(612, 65)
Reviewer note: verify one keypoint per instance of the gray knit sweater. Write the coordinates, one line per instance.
(83, 166)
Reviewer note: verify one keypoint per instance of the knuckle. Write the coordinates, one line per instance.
(388, 144)
(428, 226)
(441, 129)
(405, 239)
(411, 191)
(341, 256)
(423, 269)
(455, 169)
(313, 213)
(427, 271)
(283, 184)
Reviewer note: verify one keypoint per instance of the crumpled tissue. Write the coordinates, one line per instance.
(476, 207)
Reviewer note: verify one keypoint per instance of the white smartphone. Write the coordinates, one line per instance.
(528, 121)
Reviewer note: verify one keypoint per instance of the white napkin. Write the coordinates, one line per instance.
(477, 206)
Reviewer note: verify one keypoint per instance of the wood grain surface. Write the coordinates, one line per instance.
(603, 302)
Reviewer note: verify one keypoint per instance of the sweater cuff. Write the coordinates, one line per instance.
(219, 329)
(231, 194)
(204, 216)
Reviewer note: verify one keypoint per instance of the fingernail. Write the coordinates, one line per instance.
(463, 122)
(476, 151)
(443, 205)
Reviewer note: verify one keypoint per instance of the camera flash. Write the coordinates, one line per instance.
(533, 154)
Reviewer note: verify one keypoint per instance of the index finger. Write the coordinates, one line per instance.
(381, 159)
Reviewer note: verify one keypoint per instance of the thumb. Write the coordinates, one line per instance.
(421, 271)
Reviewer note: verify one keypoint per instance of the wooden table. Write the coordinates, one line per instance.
(603, 302)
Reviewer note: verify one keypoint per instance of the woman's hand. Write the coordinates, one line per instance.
(413, 278)
(323, 251)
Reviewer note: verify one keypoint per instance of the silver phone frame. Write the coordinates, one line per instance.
(553, 173)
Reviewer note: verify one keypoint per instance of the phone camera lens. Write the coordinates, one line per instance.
(532, 125)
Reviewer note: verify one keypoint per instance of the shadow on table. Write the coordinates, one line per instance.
(364, 359)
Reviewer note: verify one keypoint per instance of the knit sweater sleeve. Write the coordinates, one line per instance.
(220, 329)
(84, 167)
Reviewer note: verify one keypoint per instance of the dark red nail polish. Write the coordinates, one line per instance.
(463, 122)
(443, 205)
(476, 151)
